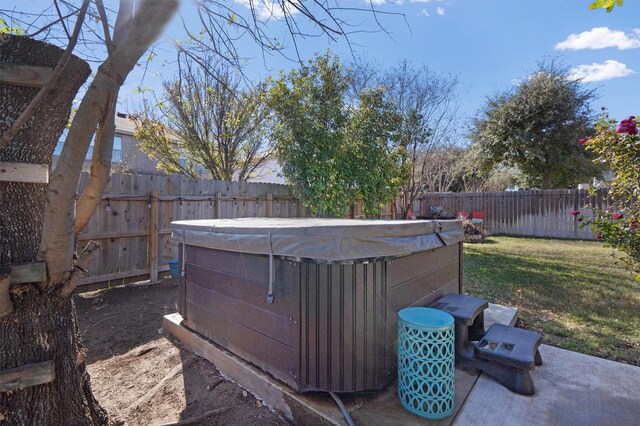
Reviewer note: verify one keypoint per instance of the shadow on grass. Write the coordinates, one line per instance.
(487, 241)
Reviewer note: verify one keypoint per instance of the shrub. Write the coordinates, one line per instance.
(619, 149)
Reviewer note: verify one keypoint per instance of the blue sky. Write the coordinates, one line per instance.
(487, 44)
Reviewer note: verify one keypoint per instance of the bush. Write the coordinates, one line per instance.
(619, 149)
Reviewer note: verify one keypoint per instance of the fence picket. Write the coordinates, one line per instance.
(540, 213)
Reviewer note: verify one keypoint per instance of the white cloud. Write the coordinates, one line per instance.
(419, 1)
(598, 72)
(266, 9)
(601, 38)
(440, 11)
(423, 12)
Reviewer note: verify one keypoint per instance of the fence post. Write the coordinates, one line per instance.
(576, 206)
(218, 205)
(269, 208)
(154, 236)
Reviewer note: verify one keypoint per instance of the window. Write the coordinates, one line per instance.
(116, 156)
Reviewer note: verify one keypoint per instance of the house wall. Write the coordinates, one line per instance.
(134, 160)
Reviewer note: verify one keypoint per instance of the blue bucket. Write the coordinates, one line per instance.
(173, 267)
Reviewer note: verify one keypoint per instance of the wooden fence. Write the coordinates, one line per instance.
(541, 213)
(133, 222)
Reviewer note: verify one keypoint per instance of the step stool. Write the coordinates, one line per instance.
(505, 353)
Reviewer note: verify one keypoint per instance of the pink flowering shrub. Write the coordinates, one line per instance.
(628, 126)
(619, 149)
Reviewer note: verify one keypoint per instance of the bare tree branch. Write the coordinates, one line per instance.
(57, 243)
(223, 25)
(100, 164)
(50, 84)
(105, 26)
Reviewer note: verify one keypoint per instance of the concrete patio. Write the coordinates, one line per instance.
(571, 389)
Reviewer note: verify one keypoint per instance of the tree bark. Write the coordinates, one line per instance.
(42, 326)
(41, 329)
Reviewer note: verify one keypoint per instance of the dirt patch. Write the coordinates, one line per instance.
(144, 377)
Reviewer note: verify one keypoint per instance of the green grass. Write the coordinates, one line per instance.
(573, 292)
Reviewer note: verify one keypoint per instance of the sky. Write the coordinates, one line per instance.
(488, 44)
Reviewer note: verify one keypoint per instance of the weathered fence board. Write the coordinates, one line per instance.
(538, 213)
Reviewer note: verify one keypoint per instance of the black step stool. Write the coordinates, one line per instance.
(505, 353)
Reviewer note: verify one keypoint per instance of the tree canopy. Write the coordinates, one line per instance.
(534, 128)
(206, 120)
(330, 151)
(428, 104)
(374, 153)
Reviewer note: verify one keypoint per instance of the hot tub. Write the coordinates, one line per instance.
(314, 301)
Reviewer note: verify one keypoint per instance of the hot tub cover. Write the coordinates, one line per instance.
(324, 240)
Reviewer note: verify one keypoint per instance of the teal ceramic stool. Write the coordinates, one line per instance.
(426, 362)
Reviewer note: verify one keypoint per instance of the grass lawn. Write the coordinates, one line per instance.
(572, 292)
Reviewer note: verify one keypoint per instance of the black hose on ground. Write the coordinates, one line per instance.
(345, 413)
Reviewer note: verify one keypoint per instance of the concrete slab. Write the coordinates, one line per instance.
(382, 408)
(571, 389)
(500, 314)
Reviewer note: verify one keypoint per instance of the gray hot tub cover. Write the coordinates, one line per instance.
(325, 240)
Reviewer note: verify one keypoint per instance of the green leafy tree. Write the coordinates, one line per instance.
(428, 103)
(374, 152)
(206, 122)
(619, 149)
(333, 153)
(308, 134)
(534, 128)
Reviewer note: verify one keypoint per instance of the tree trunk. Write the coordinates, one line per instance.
(42, 329)
(42, 326)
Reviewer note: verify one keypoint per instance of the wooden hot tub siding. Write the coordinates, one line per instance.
(331, 326)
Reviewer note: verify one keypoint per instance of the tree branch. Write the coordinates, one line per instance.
(100, 165)
(80, 268)
(49, 85)
(105, 26)
(64, 26)
(58, 240)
